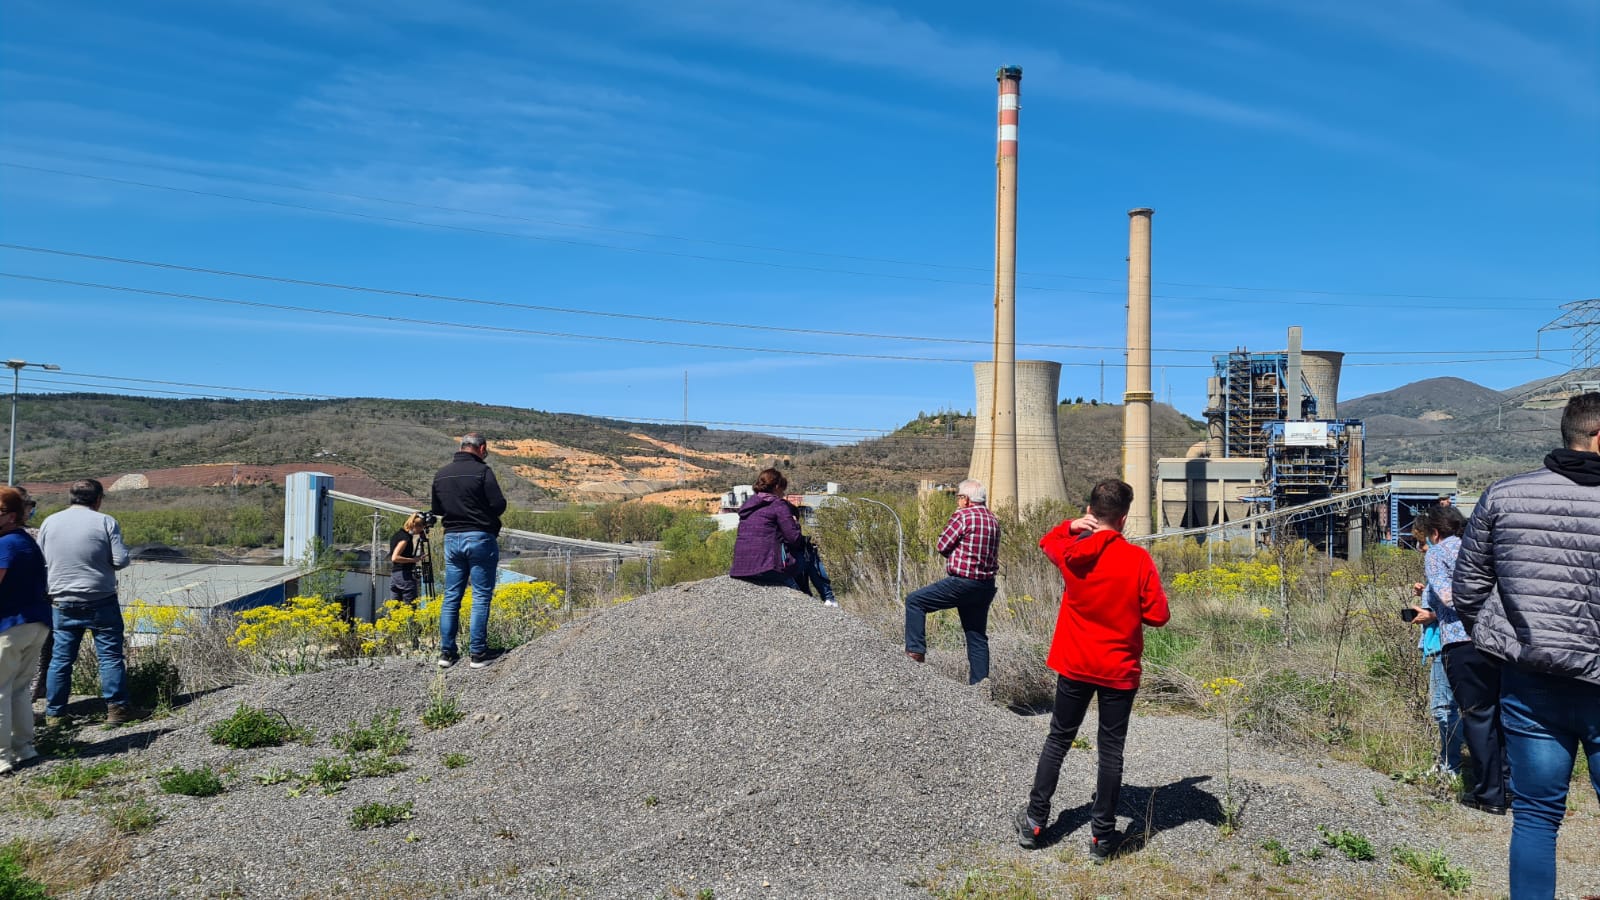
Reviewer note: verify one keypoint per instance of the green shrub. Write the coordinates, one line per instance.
(1435, 867)
(1349, 843)
(274, 775)
(456, 760)
(382, 734)
(249, 728)
(380, 815)
(1277, 852)
(14, 882)
(153, 680)
(201, 782)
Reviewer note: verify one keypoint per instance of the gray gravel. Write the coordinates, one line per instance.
(723, 736)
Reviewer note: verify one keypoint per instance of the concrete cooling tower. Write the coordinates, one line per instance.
(1038, 448)
(1320, 369)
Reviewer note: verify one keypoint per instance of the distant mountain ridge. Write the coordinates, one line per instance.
(1455, 424)
(397, 444)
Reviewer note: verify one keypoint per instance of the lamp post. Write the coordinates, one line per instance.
(900, 547)
(16, 366)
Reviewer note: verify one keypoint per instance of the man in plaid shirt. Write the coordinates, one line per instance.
(971, 546)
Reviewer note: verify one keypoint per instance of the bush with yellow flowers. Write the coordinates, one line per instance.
(1230, 579)
(520, 612)
(297, 636)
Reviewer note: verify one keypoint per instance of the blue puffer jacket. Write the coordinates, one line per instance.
(1527, 582)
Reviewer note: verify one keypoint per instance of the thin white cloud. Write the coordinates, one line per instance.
(1564, 72)
(871, 37)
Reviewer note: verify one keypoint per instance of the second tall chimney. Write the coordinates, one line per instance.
(1137, 397)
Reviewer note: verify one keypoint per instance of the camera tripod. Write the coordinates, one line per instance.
(424, 553)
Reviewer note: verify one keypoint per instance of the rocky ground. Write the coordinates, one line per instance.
(720, 740)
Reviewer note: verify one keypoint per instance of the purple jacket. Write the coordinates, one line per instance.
(765, 520)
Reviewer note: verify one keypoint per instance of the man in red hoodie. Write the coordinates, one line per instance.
(1112, 591)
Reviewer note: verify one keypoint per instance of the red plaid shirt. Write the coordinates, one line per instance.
(971, 544)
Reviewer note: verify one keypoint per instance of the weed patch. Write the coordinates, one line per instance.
(14, 882)
(330, 773)
(133, 816)
(1348, 842)
(249, 728)
(380, 815)
(1434, 867)
(376, 765)
(456, 760)
(73, 777)
(200, 782)
(443, 710)
(383, 734)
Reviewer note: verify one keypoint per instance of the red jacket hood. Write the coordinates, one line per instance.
(1083, 554)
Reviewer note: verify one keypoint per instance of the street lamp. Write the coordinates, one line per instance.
(16, 366)
(900, 550)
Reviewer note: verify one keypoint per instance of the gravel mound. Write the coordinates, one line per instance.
(713, 736)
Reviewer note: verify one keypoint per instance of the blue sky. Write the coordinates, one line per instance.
(1415, 182)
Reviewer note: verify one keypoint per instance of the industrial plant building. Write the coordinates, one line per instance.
(1274, 442)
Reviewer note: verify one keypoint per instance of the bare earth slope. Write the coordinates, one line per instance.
(717, 736)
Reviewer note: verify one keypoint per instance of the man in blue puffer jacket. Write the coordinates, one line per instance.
(1527, 586)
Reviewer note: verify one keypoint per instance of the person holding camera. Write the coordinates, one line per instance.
(405, 552)
(768, 540)
(83, 551)
(1437, 566)
(467, 499)
(1474, 678)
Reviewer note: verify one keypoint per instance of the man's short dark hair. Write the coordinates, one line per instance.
(1580, 421)
(87, 492)
(1110, 500)
(472, 440)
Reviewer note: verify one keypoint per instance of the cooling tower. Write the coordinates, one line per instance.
(1038, 449)
(1320, 368)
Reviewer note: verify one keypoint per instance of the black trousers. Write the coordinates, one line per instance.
(1475, 679)
(1072, 702)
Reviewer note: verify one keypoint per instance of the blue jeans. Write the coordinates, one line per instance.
(473, 555)
(104, 620)
(1442, 705)
(1546, 718)
(970, 599)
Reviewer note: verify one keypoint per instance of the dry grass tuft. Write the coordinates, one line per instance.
(72, 863)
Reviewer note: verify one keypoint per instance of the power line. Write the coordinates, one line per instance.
(711, 242)
(504, 329)
(506, 304)
(1454, 304)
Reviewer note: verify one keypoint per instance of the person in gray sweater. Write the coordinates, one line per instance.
(1527, 587)
(83, 550)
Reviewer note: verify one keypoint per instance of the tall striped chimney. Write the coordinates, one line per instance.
(1002, 481)
(1136, 399)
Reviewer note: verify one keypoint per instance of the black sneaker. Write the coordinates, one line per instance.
(479, 660)
(1028, 834)
(1104, 848)
(446, 660)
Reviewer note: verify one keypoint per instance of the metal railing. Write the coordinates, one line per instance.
(591, 548)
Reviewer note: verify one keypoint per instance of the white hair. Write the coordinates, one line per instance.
(973, 490)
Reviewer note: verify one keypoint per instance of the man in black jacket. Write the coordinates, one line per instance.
(1527, 586)
(467, 500)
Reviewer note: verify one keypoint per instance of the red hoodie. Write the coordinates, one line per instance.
(1112, 588)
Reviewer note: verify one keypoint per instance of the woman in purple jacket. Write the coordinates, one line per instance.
(766, 528)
